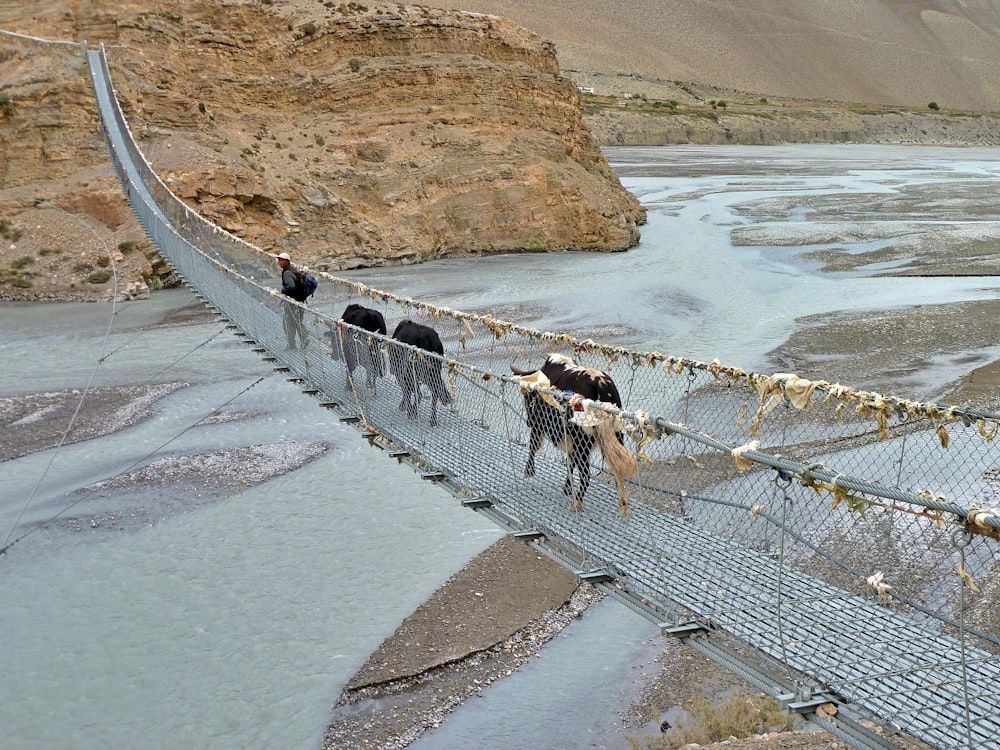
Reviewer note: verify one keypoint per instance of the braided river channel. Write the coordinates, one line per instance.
(227, 607)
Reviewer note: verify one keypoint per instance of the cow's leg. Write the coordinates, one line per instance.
(582, 446)
(534, 444)
(583, 466)
(349, 360)
(412, 396)
(373, 366)
(370, 374)
(568, 444)
(404, 386)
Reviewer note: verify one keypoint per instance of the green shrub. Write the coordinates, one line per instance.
(49, 251)
(8, 232)
(21, 282)
(934, 105)
(23, 262)
(99, 277)
(308, 28)
(354, 64)
(6, 106)
(82, 268)
(104, 261)
(126, 247)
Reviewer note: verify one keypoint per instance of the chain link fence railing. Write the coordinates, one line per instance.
(845, 538)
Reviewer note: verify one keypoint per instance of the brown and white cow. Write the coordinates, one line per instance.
(550, 418)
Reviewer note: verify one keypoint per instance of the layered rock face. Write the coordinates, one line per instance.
(348, 135)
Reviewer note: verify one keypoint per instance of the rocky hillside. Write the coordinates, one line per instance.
(896, 53)
(346, 134)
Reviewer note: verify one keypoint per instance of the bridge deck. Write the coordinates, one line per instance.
(864, 652)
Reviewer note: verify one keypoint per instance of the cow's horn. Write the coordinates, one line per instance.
(517, 371)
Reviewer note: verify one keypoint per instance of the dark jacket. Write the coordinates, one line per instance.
(289, 284)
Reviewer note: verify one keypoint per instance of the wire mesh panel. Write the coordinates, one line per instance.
(848, 537)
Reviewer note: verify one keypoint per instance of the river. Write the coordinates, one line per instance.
(233, 621)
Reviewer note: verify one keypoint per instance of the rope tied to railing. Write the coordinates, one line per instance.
(984, 521)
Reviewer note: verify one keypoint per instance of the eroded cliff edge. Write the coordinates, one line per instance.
(349, 135)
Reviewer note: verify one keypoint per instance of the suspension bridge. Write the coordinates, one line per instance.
(835, 547)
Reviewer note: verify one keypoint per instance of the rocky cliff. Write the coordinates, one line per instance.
(346, 134)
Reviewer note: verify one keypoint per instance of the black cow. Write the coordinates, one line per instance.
(546, 420)
(410, 368)
(357, 347)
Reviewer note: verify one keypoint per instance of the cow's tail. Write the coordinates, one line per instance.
(622, 463)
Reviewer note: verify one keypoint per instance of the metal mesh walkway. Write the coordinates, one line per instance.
(835, 547)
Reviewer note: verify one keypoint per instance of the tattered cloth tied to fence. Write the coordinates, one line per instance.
(774, 389)
(976, 522)
(596, 423)
(539, 380)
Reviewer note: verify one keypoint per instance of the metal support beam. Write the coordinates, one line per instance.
(528, 535)
(476, 502)
(593, 576)
(684, 630)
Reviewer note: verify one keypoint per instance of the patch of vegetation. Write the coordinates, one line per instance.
(354, 64)
(934, 105)
(308, 28)
(23, 262)
(126, 247)
(6, 106)
(82, 268)
(535, 243)
(104, 261)
(741, 715)
(99, 277)
(8, 232)
(49, 251)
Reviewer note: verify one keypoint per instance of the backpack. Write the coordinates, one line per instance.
(306, 283)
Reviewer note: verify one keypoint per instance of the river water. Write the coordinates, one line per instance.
(234, 621)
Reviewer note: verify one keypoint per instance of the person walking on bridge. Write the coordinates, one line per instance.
(292, 287)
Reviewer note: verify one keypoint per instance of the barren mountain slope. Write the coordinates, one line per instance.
(891, 52)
